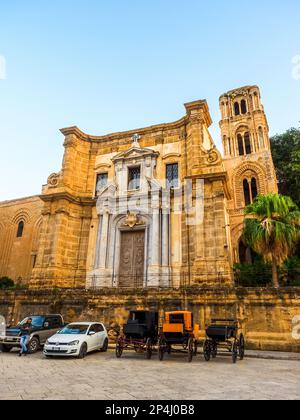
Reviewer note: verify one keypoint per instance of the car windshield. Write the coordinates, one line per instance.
(37, 321)
(74, 329)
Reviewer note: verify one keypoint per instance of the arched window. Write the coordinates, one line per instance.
(247, 194)
(244, 106)
(229, 146)
(237, 108)
(20, 230)
(240, 144)
(247, 144)
(254, 190)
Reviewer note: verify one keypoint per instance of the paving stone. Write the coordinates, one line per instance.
(103, 377)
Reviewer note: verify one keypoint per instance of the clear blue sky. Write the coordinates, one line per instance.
(114, 65)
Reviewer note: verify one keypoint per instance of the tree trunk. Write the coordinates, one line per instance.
(275, 274)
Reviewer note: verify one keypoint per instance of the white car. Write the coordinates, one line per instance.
(77, 340)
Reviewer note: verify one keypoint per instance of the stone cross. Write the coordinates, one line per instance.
(136, 138)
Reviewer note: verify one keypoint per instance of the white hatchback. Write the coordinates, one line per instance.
(77, 340)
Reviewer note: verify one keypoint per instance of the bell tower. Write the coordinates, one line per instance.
(247, 155)
(244, 124)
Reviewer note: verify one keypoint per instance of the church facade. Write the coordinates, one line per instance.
(155, 207)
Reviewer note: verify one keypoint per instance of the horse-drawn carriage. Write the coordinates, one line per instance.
(223, 335)
(179, 334)
(139, 334)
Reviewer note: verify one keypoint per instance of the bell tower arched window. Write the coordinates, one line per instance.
(250, 190)
(240, 144)
(229, 146)
(20, 230)
(254, 190)
(244, 107)
(247, 144)
(247, 194)
(237, 109)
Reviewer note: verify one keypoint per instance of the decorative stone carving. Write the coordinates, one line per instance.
(53, 180)
(133, 220)
(213, 157)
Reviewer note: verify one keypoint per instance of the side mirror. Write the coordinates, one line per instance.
(46, 325)
(92, 333)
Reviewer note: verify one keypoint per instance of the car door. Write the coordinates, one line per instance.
(55, 326)
(101, 335)
(43, 332)
(92, 338)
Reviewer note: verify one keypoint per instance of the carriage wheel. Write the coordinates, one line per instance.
(190, 350)
(207, 350)
(149, 349)
(161, 348)
(241, 347)
(185, 344)
(119, 348)
(234, 351)
(214, 350)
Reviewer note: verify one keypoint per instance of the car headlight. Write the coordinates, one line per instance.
(74, 343)
(47, 343)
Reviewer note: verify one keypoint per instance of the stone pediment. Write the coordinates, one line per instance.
(135, 153)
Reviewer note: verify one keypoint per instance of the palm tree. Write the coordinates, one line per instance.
(272, 229)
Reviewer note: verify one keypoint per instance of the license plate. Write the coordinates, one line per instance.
(55, 348)
(10, 339)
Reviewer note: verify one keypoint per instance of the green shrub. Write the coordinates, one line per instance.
(6, 283)
(259, 274)
(290, 272)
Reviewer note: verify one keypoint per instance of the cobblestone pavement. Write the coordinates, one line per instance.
(102, 376)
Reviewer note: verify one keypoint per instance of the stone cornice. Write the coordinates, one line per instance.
(217, 176)
(199, 105)
(126, 134)
(238, 91)
(63, 195)
(190, 107)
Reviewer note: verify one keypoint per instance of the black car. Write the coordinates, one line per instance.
(43, 327)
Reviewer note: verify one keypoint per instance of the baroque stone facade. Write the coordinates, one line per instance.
(154, 207)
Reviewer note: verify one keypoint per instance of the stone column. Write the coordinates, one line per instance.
(155, 244)
(155, 238)
(104, 240)
(165, 274)
(98, 243)
(102, 276)
(165, 238)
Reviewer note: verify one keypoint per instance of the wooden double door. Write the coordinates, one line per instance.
(132, 259)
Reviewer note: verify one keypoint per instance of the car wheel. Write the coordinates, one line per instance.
(5, 349)
(105, 346)
(34, 345)
(83, 351)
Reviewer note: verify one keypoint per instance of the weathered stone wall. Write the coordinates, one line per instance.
(18, 254)
(265, 314)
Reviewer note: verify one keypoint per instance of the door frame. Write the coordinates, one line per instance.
(146, 241)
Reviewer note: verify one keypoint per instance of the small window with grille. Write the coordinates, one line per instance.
(102, 180)
(134, 178)
(172, 175)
